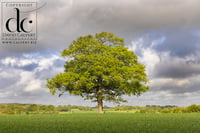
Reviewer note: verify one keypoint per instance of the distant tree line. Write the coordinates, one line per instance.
(159, 109)
(51, 109)
(38, 109)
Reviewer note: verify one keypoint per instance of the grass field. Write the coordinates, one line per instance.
(95, 123)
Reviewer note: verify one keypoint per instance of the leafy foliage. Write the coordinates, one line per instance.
(100, 68)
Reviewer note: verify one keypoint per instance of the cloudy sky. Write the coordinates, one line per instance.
(165, 34)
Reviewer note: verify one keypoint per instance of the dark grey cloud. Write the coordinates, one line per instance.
(176, 86)
(180, 42)
(30, 67)
(62, 21)
(176, 69)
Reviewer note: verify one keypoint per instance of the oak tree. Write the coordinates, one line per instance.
(98, 67)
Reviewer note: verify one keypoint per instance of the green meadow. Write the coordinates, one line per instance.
(101, 123)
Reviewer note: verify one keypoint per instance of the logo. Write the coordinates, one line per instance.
(19, 22)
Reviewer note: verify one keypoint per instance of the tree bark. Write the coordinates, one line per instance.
(100, 106)
(100, 102)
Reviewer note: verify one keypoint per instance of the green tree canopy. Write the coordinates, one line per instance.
(100, 68)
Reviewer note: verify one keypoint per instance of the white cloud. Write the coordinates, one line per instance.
(18, 62)
(9, 61)
(28, 81)
(168, 74)
(45, 63)
(148, 57)
(136, 44)
(160, 83)
(33, 85)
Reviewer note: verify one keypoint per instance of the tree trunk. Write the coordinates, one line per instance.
(100, 102)
(100, 106)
